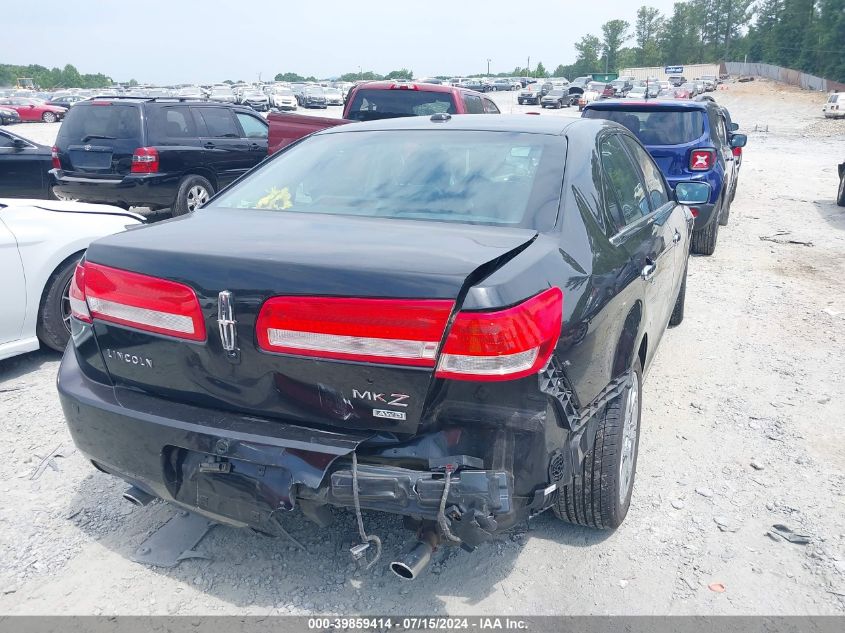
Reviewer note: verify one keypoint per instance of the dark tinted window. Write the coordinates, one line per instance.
(219, 122)
(6, 141)
(654, 184)
(84, 123)
(496, 178)
(473, 104)
(624, 191)
(657, 126)
(368, 105)
(169, 124)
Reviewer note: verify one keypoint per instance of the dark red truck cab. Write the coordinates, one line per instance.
(374, 100)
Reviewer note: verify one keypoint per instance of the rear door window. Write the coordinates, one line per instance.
(659, 126)
(625, 193)
(473, 104)
(253, 128)
(654, 184)
(86, 123)
(219, 122)
(170, 124)
(490, 107)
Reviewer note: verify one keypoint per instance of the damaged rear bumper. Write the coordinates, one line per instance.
(243, 470)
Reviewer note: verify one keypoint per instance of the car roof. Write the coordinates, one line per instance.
(388, 85)
(521, 123)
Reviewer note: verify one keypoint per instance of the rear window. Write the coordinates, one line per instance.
(655, 127)
(369, 105)
(498, 178)
(84, 123)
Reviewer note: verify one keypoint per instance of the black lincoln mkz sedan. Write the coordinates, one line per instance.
(444, 318)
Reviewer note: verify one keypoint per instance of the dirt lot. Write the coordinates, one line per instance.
(742, 430)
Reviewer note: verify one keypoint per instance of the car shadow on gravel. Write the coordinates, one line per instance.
(252, 571)
(17, 367)
(831, 212)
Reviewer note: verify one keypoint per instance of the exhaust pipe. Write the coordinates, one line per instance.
(137, 497)
(417, 559)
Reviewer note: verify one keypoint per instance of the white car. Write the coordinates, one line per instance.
(283, 99)
(835, 106)
(41, 242)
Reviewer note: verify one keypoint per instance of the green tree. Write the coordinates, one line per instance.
(400, 74)
(289, 77)
(560, 71)
(646, 29)
(540, 72)
(615, 34)
(587, 61)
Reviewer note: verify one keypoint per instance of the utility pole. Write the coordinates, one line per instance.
(488, 66)
(528, 67)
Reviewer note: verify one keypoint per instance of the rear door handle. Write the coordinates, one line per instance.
(676, 237)
(209, 145)
(648, 270)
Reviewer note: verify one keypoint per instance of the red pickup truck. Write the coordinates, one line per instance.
(381, 100)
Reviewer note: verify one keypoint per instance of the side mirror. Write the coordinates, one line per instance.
(31, 105)
(738, 140)
(733, 127)
(692, 192)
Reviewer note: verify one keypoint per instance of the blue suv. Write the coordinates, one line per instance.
(689, 140)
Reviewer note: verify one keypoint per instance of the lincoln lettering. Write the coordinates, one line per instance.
(129, 359)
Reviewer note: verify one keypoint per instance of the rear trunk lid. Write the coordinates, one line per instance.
(97, 139)
(260, 255)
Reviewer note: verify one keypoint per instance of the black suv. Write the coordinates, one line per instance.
(155, 152)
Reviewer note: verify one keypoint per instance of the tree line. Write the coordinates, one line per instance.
(805, 35)
(52, 78)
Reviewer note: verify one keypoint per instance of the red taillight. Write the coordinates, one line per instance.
(694, 211)
(504, 344)
(139, 301)
(737, 151)
(78, 306)
(145, 160)
(391, 331)
(54, 155)
(702, 159)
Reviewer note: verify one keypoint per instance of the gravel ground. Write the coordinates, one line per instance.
(742, 429)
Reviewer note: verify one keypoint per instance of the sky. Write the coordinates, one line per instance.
(207, 41)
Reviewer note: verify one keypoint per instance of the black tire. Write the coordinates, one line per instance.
(678, 310)
(704, 240)
(190, 196)
(598, 497)
(53, 328)
(840, 195)
(725, 209)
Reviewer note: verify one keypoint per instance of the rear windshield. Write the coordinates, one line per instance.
(655, 127)
(499, 178)
(84, 123)
(369, 105)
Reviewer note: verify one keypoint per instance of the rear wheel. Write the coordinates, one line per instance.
(840, 196)
(53, 328)
(49, 117)
(678, 310)
(704, 240)
(194, 191)
(601, 495)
